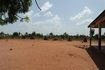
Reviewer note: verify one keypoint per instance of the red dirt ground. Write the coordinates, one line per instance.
(44, 55)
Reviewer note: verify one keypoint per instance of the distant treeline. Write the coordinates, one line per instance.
(50, 36)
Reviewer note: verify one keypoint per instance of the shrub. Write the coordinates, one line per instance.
(69, 39)
(55, 39)
(45, 38)
(84, 40)
(32, 37)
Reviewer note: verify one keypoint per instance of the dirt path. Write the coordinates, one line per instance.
(44, 55)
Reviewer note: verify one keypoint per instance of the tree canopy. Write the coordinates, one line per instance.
(10, 10)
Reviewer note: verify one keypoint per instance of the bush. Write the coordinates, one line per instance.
(55, 39)
(84, 40)
(45, 38)
(69, 39)
(32, 38)
(23, 37)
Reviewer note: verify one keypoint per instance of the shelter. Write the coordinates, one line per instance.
(99, 23)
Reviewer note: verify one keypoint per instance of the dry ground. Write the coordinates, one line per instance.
(44, 55)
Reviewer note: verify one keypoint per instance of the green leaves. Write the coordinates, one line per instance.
(26, 18)
(91, 32)
(12, 8)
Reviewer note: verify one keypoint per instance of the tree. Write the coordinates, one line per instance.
(92, 32)
(95, 36)
(65, 35)
(2, 35)
(26, 34)
(33, 33)
(10, 10)
(15, 35)
(51, 35)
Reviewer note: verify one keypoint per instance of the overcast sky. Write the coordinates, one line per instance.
(59, 16)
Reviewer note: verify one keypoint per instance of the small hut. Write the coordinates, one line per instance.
(99, 23)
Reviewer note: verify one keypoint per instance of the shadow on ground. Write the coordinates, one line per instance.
(97, 56)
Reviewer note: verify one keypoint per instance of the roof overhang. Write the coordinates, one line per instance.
(99, 21)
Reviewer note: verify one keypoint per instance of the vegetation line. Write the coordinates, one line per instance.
(50, 36)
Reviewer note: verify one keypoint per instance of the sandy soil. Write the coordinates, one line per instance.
(44, 55)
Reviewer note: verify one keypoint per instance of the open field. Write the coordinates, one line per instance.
(45, 55)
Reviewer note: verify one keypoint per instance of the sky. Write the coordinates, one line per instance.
(59, 16)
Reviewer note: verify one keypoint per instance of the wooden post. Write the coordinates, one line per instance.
(99, 37)
(90, 37)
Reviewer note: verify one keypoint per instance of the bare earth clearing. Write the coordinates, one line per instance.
(44, 55)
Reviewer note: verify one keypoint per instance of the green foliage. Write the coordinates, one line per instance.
(65, 35)
(16, 35)
(45, 38)
(26, 19)
(91, 32)
(9, 10)
(69, 39)
(55, 39)
(95, 36)
(50, 36)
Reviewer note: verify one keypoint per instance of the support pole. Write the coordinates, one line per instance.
(99, 37)
(90, 37)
